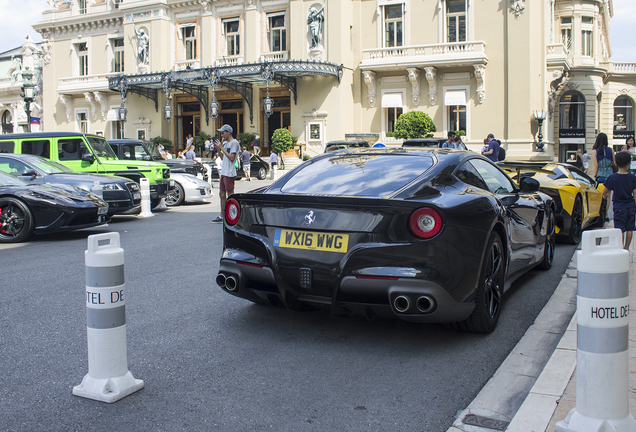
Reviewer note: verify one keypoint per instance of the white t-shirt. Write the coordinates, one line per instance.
(227, 167)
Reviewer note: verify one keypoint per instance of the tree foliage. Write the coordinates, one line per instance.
(282, 140)
(167, 144)
(413, 124)
(200, 139)
(246, 139)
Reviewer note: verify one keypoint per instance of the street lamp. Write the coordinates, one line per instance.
(268, 105)
(27, 94)
(167, 111)
(540, 116)
(214, 107)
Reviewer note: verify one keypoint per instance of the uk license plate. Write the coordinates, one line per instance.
(311, 240)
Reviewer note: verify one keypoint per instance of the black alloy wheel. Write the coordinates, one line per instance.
(550, 244)
(262, 173)
(489, 294)
(16, 221)
(175, 196)
(576, 224)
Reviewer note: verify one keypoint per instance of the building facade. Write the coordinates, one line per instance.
(333, 69)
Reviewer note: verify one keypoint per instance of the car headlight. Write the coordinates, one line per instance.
(111, 186)
(133, 186)
(47, 197)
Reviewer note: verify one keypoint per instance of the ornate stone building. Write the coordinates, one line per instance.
(333, 69)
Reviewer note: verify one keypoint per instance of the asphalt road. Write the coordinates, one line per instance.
(213, 362)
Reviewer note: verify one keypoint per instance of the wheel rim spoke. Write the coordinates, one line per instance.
(493, 294)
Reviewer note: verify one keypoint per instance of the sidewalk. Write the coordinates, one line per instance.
(553, 393)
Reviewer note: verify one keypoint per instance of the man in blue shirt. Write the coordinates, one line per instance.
(449, 142)
(191, 154)
(493, 149)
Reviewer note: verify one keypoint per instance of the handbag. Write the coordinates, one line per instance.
(236, 163)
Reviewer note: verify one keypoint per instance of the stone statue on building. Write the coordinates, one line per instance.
(314, 21)
(16, 69)
(143, 43)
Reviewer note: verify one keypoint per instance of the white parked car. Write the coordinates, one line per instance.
(188, 188)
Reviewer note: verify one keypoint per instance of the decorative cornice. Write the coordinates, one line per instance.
(517, 7)
(73, 26)
(102, 98)
(369, 80)
(430, 74)
(67, 101)
(480, 76)
(414, 78)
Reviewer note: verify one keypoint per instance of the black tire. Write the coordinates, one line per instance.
(602, 217)
(550, 244)
(175, 196)
(576, 224)
(489, 295)
(16, 221)
(262, 173)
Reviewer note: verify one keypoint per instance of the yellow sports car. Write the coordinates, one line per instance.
(578, 198)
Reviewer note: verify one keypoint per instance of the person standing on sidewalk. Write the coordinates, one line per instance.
(245, 157)
(623, 184)
(228, 151)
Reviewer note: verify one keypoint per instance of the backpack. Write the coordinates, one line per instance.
(502, 152)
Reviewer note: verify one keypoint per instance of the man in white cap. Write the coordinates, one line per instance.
(228, 151)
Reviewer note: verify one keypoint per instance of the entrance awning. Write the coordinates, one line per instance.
(239, 78)
(112, 115)
(455, 97)
(392, 100)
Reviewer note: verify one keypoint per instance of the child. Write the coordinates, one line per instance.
(624, 186)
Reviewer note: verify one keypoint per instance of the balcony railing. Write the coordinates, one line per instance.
(84, 83)
(275, 56)
(623, 67)
(182, 65)
(229, 61)
(453, 53)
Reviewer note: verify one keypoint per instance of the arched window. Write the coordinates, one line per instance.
(572, 115)
(7, 122)
(623, 117)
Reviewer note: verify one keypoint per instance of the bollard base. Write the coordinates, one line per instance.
(576, 422)
(145, 214)
(108, 390)
(162, 205)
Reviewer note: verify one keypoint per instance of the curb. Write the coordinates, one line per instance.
(522, 395)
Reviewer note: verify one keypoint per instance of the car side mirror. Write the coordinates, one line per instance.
(528, 184)
(147, 158)
(29, 172)
(88, 158)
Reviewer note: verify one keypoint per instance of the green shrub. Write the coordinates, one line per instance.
(413, 124)
(282, 140)
(389, 134)
(306, 157)
(200, 139)
(460, 133)
(246, 139)
(165, 142)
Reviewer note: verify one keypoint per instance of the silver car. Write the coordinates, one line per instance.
(188, 188)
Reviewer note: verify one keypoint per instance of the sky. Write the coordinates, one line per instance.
(17, 16)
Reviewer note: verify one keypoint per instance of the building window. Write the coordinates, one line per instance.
(83, 6)
(232, 37)
(7, 122)
(587, 36)
(566, 33)
(393, 26)
(118, 55)
(456, 20)
(572, 116)
(277, 33)
(82, 55)
(456, 117)
(82, 122)
(392, 114)
(189, 37)
(623, 117)
(116, 3)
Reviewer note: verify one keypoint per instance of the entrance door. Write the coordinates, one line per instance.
(188, 122)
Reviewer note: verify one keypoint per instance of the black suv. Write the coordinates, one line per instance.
(427, 142)
(141, 150)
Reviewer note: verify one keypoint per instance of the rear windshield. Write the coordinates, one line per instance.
(365, 175)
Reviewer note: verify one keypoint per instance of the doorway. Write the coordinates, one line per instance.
(280, 118)
(188, 122)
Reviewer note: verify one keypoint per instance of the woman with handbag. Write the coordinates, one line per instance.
(602, 158)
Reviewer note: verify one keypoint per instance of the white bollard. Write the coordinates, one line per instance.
(144, 185)
(162, 205)
(108, 378)
(602, 308)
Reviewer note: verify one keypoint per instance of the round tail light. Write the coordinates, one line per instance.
(232, 211)
(426, 222)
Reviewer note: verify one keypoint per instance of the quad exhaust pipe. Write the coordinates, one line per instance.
(424, 304)
(402, 303)
(230, 283)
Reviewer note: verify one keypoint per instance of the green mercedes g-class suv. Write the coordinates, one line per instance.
(88, 153)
